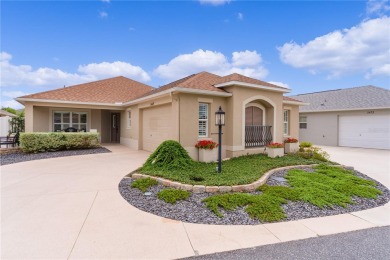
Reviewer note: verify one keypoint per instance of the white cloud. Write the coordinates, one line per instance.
(103, 14)
(106, 69)
(13, 94)
(364, 48)
(379, 71)
(11, 103)
(246, 62)
(240, 16)
(214, 2)
(377, 7)
(25, 75)
(280, 84)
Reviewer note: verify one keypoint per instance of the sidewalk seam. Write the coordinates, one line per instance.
(85, 220)
(196, 253)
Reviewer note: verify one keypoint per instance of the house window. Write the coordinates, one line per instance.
(203, 119)
(129, 119)
(64, 120)
(286, 119)
(303, 122)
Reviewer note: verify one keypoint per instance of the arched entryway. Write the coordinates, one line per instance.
(257, 133)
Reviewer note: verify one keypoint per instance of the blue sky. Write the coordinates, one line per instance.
(306, 45)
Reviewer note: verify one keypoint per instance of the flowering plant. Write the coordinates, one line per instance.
(291, 140)
(206, 144)
(275, 145)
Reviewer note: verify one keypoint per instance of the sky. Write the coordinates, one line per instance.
(307, 46)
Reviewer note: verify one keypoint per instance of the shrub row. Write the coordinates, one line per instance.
(43, 142)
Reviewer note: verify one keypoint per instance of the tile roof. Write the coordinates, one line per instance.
(112, 90)
(242, 78)
(6, 113)
(342, 99)
(291, 99)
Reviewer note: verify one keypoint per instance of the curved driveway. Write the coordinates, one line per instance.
(70, 207)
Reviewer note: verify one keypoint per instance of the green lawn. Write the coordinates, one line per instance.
(236, 171)
(326, 187)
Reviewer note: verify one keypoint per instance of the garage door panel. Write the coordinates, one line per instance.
(156, 126)
(369, 131)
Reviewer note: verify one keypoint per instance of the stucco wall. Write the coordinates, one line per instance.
(322, 128)
(41, 119)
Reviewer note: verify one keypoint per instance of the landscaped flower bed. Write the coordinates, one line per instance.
(288, 195)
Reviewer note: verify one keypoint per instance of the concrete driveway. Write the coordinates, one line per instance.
(70, 208)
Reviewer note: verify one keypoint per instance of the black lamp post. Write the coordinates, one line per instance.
(219, 121)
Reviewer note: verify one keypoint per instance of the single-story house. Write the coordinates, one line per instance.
(5, 116)
(352, 117)
(140, 116)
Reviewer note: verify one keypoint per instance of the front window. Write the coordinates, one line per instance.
(64, 120)
(286, 118)
(203, 119)
(303, 122)
(129, 119)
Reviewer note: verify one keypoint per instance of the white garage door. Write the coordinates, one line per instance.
(371, 131)
(156, 126)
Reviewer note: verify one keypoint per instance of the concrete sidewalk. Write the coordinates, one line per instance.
(70, 207)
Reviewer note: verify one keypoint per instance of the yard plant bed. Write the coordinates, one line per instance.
(23, 157)
(286, 206)
(236, 171)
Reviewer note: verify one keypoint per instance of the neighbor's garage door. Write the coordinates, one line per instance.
(371, 131)
(156, 126)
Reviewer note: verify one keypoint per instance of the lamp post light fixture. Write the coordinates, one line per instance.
(219, 121)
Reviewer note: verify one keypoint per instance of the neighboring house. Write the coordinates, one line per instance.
(134, 114)
(4, 122)
(353, 117)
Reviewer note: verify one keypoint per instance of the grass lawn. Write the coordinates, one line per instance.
(327, 187)
(236, 171)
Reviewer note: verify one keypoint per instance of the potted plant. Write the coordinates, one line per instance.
(291, 145)
(275, 150)
(207, 153)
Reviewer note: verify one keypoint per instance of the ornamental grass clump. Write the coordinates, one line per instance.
(144, 184)
(169, 155)
(172, 195)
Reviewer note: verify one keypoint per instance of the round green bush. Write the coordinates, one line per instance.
(169, 155)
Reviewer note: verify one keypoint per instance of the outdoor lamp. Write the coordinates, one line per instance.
(219, 121)
(220, 117)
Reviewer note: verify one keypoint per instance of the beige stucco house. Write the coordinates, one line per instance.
(139, 116)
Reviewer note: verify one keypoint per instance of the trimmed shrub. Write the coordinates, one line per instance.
(305, 144)
(49, 142)
(143, 184)
(169, 155)
(313, 153)
(172, 195)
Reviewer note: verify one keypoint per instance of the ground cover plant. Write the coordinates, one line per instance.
(144, 184)
(173, 195)
(236, 171)
(327, 186)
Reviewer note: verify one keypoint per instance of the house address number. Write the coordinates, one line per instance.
(370, 112)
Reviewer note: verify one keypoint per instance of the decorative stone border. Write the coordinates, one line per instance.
(221, 189)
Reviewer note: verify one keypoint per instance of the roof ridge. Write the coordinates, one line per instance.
(340, 89)
(77, 85)
(199, 74)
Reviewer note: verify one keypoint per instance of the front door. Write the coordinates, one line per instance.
(115, 128)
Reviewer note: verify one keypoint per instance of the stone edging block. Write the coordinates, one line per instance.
(221, 189)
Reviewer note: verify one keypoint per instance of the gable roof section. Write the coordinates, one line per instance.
(110, 91)
(365, 97)
(235, 77)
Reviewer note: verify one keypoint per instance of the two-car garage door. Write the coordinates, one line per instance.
(368, 131)
(156, 126)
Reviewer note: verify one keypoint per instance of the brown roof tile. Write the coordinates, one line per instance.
(242, 78)
(112, 90)
(291, 99)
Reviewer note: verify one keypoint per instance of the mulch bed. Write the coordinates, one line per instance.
(193, 210)
(23, 157)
